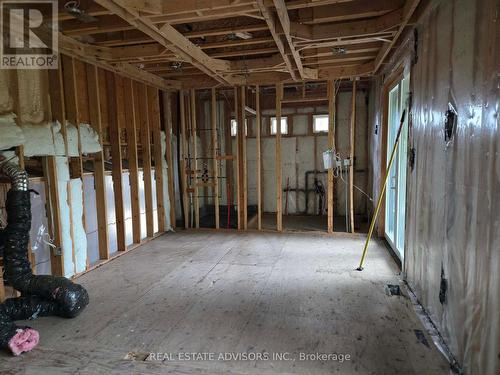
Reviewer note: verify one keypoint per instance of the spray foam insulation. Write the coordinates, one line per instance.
(32, 103)
(6, 101)
(46, 138)
(12, 135)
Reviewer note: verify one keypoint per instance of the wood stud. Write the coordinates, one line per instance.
(331, 146)
(215, 160)
(94, 96)
(352, 133)
(167, 112)
(279, 188)
(258, 130)
(133, 117)
(114, 88)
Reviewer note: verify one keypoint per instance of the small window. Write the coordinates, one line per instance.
(234, 127)
(284, 125)
(320, 124)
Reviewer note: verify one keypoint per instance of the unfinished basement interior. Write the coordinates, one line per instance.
(250, 187)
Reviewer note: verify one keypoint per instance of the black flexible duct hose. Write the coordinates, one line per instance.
(42, 295)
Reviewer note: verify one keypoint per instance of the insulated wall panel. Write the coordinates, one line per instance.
(91, 227)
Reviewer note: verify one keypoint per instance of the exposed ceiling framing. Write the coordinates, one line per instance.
(207, 43)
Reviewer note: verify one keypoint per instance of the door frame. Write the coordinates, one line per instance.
(394, 79)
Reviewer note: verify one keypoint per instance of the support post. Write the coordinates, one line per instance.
(331, 146)
(195, 159)
(146, 157)
(133, 118)
(279, 188)
(241, 156)
(154, 121)
(259, 160)
(214, 156)
(58, 111)
(351, 155)
(114, 85)
(99, 171)
(184, 155)
(167, 112)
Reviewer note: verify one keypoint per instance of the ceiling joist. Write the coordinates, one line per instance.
(252, 41)
(94, 55)
(172, 39)
(271, 23)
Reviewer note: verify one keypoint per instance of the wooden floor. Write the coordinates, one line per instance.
(216, 292)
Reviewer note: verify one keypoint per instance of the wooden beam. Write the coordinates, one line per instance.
(352, 133)
(351, 29)
(208, 15)
(240, 100)
(114, 92)
(266, 62)
(168, 36)
(58, 113)
(54, 216)
(279, 188)
(258, 158)
(184, 156)
(187, 6)
(154, 122)
(75, 167)
(226, 30)
(271, 23)
(331, 146)
(284, 20)
(300, 4)
(346, 72)
(167, 113)
(146, 6)
(94, 55)
(347, 11)
(99, 170)
(132, 116)
(214, 156)
(243, 132)
(408, 10)
(145, 135)
(195, 158)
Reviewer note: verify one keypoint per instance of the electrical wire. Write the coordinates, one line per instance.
(336, 174)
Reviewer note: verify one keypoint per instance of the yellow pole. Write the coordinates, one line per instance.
(382, 192)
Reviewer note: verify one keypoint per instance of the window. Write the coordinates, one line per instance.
(284, 125)
(234, 127)
(320, 124)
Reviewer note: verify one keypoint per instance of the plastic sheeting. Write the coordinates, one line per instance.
(165, 180)
(127, 209)
(91, 226)
(39, 234)
(111, 215)
(452, 252)
(142, 205)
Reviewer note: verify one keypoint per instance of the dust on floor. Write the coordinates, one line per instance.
(266, 299)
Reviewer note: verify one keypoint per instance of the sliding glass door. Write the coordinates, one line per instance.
(395, 202)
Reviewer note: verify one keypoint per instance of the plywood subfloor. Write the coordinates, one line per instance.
(242, 293)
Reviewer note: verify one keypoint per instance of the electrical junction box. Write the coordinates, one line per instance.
(329, 159)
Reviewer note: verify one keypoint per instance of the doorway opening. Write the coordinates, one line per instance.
(395, 204)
